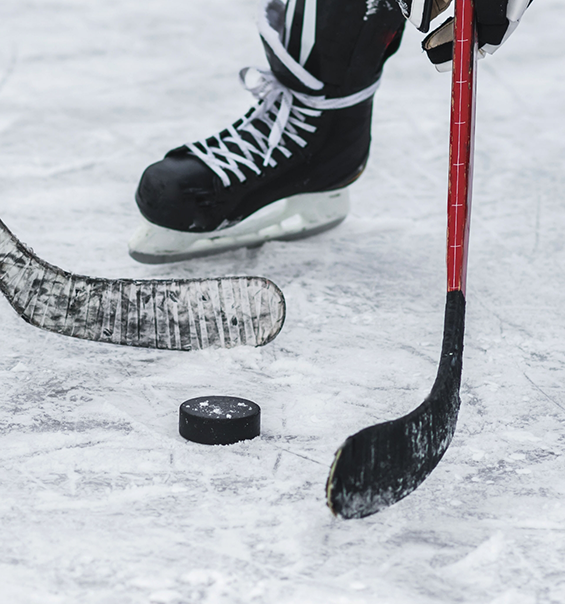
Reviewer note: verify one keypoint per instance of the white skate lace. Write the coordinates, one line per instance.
(283, 117)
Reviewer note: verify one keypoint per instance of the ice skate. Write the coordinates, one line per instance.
(282, 171)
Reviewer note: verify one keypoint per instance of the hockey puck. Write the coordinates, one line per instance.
(219, 420)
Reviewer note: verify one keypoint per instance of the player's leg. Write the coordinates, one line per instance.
(282, 171)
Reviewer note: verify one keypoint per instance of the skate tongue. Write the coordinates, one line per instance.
(259, 82)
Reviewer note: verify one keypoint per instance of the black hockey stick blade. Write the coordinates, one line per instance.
(174, 314)
(383, 463)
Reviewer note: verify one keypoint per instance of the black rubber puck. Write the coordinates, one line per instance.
(219, 420)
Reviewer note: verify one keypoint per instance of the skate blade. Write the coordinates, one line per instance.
(283, 220)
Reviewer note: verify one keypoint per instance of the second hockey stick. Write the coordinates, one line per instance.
(174, 314)
(383, 463)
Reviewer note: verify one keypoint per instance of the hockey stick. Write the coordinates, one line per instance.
(175, 314)
(381, 464)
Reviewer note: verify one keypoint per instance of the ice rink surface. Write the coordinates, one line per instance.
(102, 502)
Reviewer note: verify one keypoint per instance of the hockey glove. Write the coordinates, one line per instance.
(496, 20)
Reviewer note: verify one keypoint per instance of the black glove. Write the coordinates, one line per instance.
(496, 20)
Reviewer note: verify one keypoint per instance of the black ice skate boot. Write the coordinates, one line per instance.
(282, 171)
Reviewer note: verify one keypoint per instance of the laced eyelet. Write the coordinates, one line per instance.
(281, 117)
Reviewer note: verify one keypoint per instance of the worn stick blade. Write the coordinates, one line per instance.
(383, 463)
(174, 314)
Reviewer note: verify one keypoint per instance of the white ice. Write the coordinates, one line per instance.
(102, 502)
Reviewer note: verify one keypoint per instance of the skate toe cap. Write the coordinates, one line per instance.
(171, 190)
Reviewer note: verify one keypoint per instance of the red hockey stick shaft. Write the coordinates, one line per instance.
(461, 145)
(384, 463)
